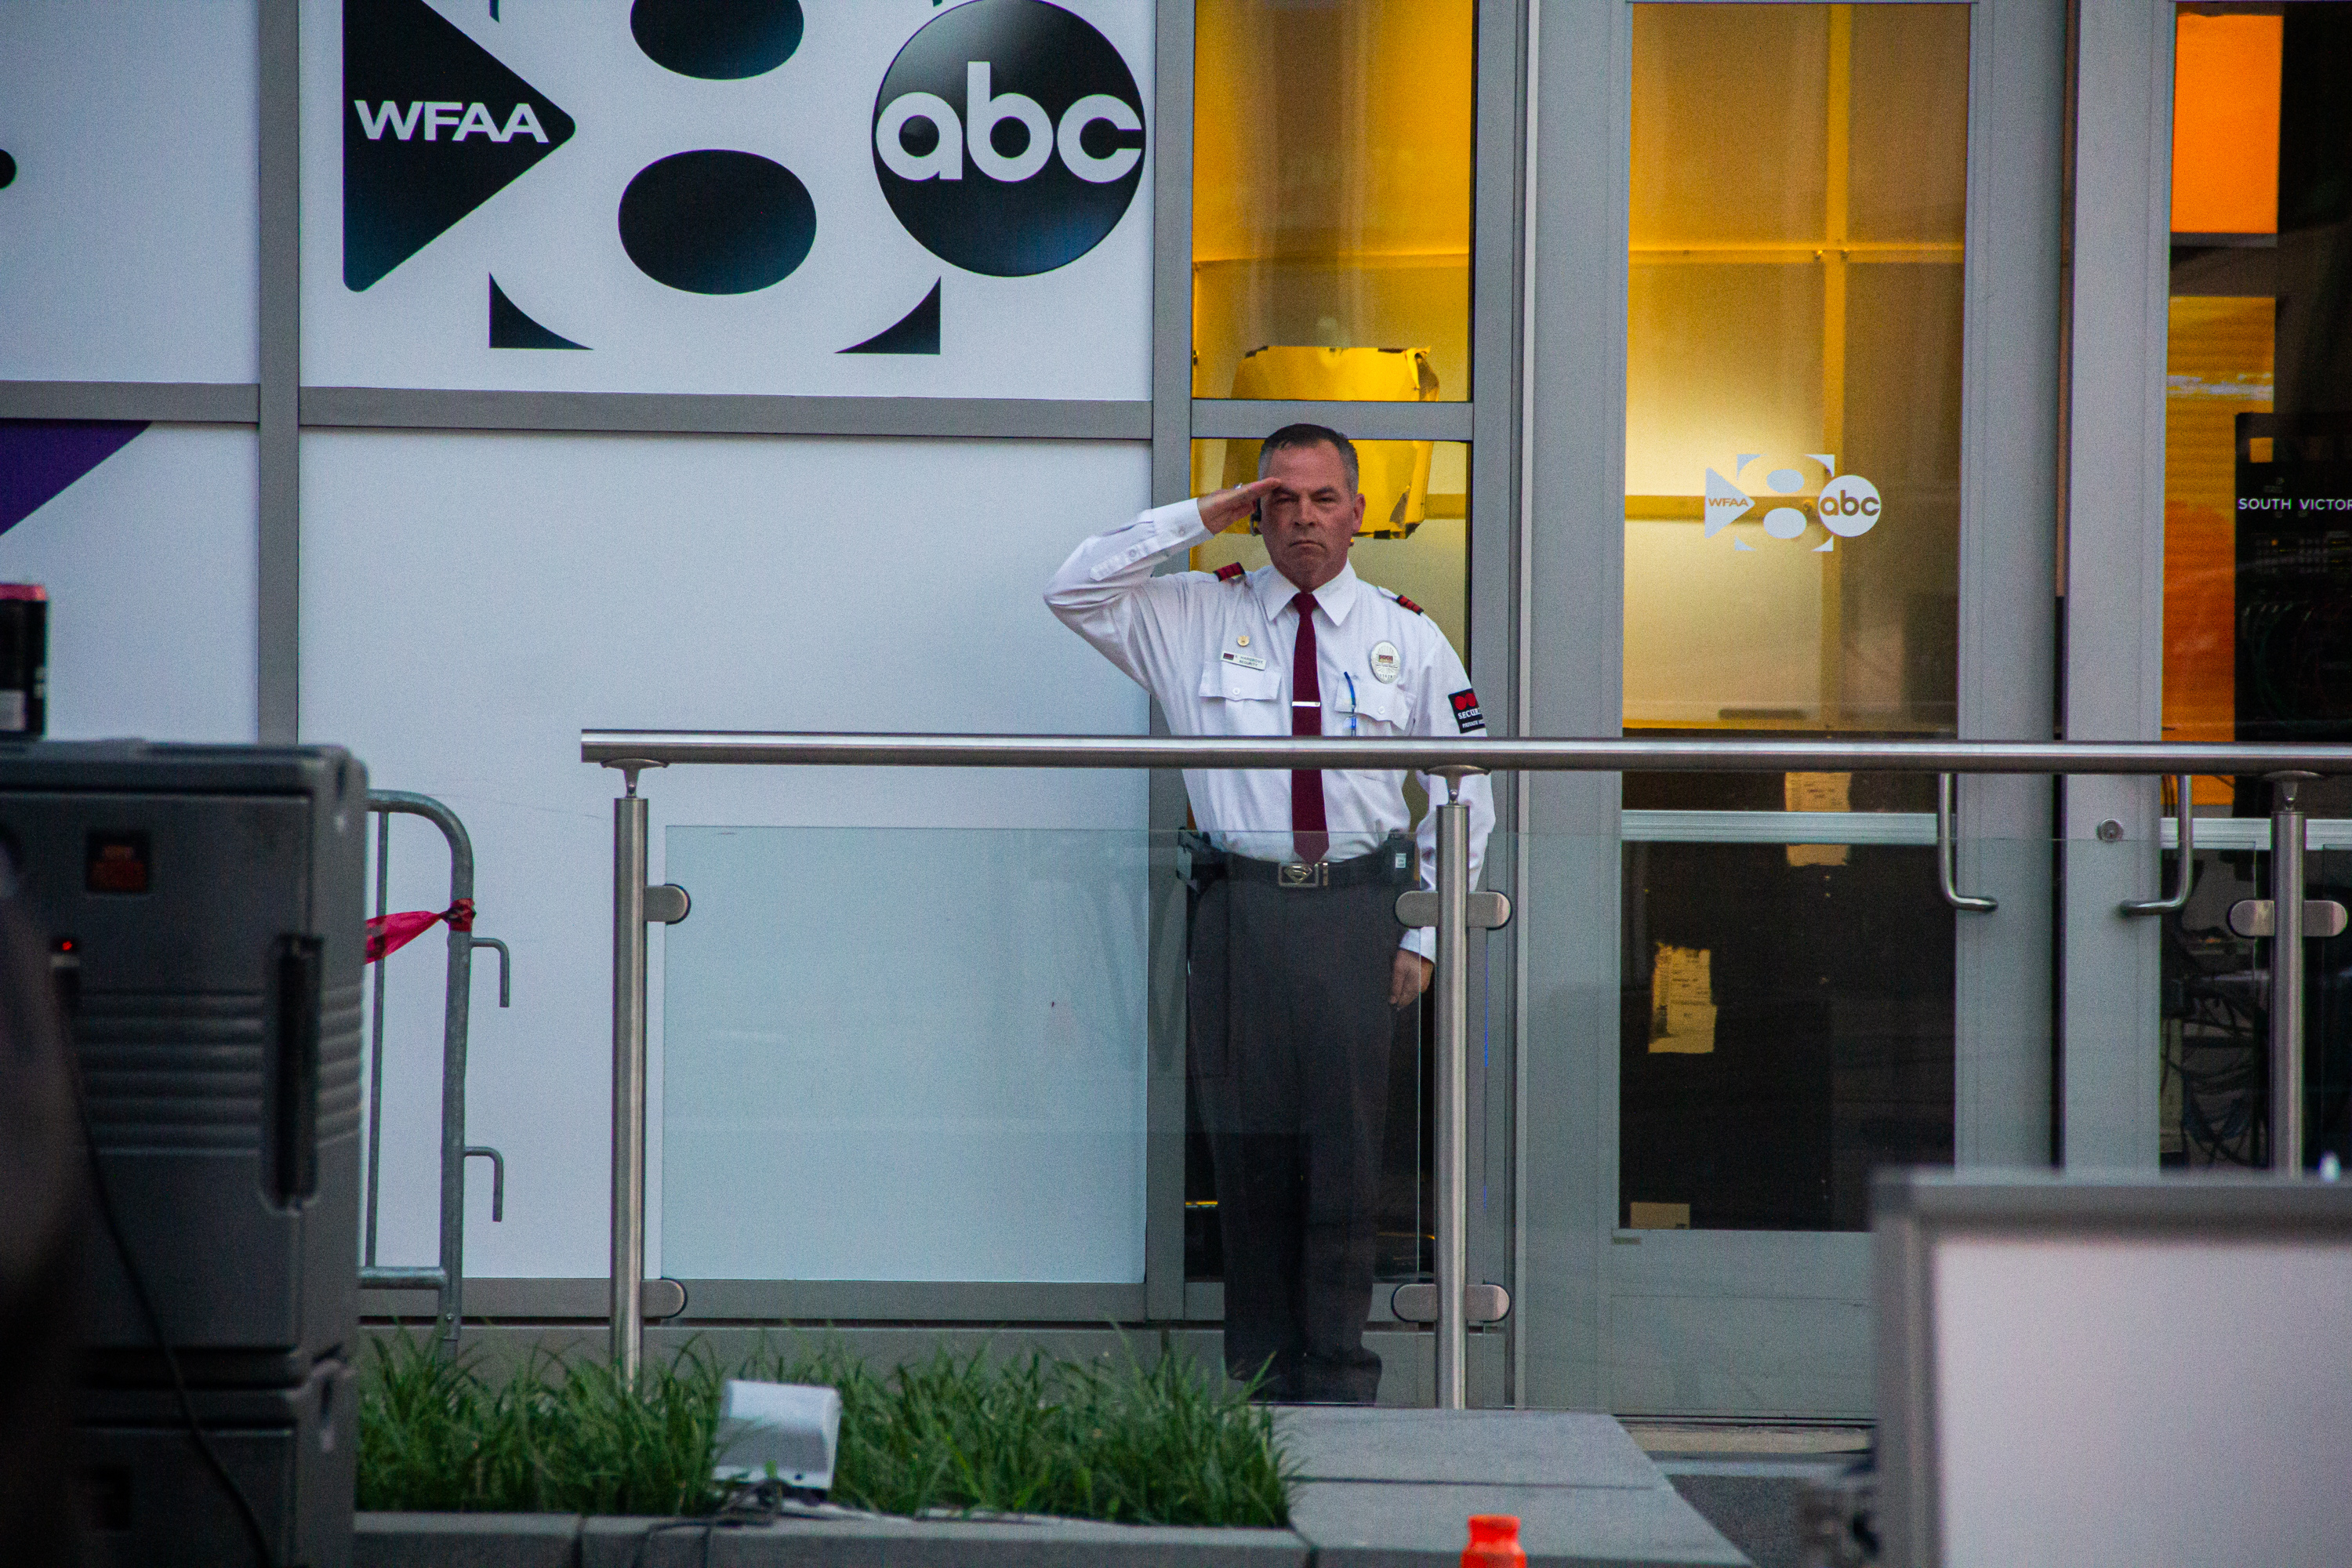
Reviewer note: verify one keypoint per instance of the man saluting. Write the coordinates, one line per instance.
(1296, 960)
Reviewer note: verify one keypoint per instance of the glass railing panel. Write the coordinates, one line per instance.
(900, 1055)
(905, 1054)
(2213, 1108)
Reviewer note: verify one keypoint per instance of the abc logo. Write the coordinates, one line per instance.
(1008, 137)
(1848, 506)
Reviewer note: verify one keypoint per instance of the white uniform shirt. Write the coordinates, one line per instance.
(1217, 655)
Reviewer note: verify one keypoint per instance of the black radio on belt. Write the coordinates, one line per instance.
(1403, 862)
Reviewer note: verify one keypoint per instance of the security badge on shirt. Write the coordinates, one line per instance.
(1388, 666)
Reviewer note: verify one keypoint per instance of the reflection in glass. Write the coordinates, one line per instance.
(1787, 1026)
(1793, 367)
(2257, 429)
(1331, 155)
(2213, 1108)
(1415, 540)
(2258, 393)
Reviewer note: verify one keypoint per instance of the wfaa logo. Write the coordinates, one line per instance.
(1007, 137)
(1846, 505)
(436, 127)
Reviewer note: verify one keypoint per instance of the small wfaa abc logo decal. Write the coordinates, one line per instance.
(1846, 505)
(1007, 136)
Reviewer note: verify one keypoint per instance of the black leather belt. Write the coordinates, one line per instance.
(1393, 863)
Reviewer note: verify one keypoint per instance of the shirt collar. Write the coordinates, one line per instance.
(1275, 591)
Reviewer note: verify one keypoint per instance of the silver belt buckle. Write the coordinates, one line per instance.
(1305, 874)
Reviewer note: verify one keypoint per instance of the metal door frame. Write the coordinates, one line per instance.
(1579, 191)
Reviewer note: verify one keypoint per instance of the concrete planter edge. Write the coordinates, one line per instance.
(572, 1540)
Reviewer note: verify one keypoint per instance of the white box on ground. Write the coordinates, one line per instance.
(788, 1430)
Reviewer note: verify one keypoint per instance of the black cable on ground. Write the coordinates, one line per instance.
(750, 1503)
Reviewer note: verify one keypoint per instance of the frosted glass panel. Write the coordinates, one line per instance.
(905, 1054)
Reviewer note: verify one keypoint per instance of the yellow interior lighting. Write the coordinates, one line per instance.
(1393, 475)
(2218, 365)
(1331, 167)
(1794, 308)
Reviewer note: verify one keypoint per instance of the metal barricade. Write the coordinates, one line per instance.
(445, 1279)
(1452, 1303)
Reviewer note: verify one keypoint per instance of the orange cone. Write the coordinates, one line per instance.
(1494, 1543)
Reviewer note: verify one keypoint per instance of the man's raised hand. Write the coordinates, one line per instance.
(1222, 508)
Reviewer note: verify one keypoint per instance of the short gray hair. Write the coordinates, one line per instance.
(1298, 437)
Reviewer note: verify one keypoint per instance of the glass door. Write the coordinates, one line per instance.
(1802, 541)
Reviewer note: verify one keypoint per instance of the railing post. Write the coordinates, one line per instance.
(1453, 1092)
(633, 905)
(1454, 911)
(628, 1077)
(2286, 973)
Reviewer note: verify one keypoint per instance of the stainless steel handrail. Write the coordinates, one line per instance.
(633, 751)
(798, 749)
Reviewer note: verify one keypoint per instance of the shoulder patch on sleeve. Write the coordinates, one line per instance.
(1467, 716)
(1229, 571)
(1409, 605)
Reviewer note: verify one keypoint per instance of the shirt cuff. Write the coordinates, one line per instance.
(1423, 941)
(1178, 522)
(1164, 531)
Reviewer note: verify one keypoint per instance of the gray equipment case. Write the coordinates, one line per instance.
(204, 907)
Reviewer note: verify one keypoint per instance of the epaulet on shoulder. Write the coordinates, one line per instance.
(1408, 604)
(1229, 571)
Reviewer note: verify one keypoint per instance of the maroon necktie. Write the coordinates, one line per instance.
(1308, 831)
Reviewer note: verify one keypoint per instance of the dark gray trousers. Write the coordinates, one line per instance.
(1290, 1024)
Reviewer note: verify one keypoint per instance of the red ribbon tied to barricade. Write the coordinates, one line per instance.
(390, 934)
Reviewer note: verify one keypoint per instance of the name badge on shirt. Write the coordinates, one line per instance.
(1386, 665)
(1246, 661)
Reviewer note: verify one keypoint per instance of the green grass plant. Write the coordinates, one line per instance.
(1117, 1439)
(555, 1435)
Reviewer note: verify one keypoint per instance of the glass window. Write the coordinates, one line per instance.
(1793, 367)
(1331, 147)
(1798, 197)
(1786, 1026)
(2257, 539)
